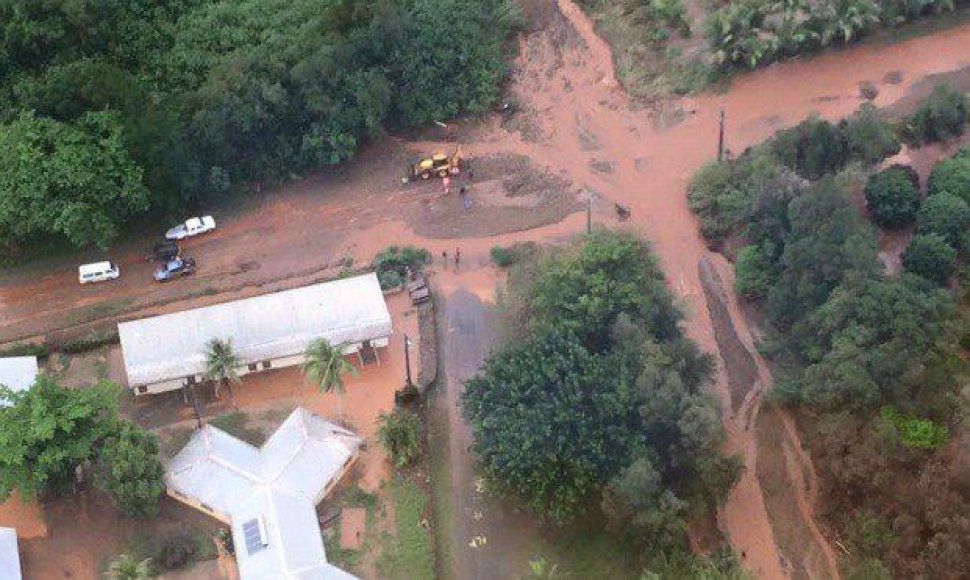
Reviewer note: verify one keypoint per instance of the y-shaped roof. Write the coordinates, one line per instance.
(268, 495)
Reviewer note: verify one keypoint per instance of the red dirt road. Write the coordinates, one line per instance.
(564, 79)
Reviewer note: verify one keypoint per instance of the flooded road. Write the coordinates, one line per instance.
(582, 127)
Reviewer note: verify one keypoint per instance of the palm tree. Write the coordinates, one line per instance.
(128, 568)
(325, 365)
(220, 365)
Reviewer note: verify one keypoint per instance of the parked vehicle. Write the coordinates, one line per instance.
(97, 272)
(191, 227)
(163, 251)
(175, 269)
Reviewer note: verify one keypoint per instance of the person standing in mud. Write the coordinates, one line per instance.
(457, 256)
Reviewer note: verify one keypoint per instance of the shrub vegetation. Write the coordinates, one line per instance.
(400, 434)
(892, 196)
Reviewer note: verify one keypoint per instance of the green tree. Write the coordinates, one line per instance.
(221, 363)
(584, 290)
(892, 196)
(948, 216)
(128, 567)
(400, 433)
(48, 431)
(814, 148)
(551, 422)
(131, 471)
(828, 239)
(753, 272)
(325, 366)
(874, 341)
(930, 256)
(870, 138)
(72, 180)
(941, 116)
(952, 176)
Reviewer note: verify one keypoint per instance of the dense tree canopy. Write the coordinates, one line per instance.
(873, 358)
(952, 176)
(73, 180)
(568, 412)
(150, 106)
(946, 215)
(47, 431)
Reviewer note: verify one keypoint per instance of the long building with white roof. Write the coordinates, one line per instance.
(268, 496)
(9, 555)
(163, 353)
(17, 373)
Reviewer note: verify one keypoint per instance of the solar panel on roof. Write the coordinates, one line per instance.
(254, 536)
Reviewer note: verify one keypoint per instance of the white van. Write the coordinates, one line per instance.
(97, 272)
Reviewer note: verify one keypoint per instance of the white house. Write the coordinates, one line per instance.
(18, 373)
(163, 353)
(268, 496)
(9, 556)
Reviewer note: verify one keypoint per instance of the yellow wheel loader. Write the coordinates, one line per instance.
(438, 165)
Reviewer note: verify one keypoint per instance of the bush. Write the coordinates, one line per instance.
(88, 342)
(24, 349)
(131, 472)
(948, 216)
(892, 196)
(389, 279)
(915, 432)
(503, 257)
(941, 116)
(952, 176)
(176, 553)
(930, 256)
(753, 273)
(869, 137)
(813, 148)
(400, 259)
(400, 434)
(722, 193)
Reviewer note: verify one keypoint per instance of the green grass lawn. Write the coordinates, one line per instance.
(408, 554)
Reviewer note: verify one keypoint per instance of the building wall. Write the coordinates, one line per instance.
(276, 363)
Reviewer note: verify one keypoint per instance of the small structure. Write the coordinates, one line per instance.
(165, 353)
(268, 495)
(17, 373)
(9, 555)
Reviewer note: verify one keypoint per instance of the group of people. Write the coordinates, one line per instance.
(444, 256)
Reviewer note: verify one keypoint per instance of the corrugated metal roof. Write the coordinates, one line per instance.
(18, 373)
(264, 327)
(9, 556)
(278, 484)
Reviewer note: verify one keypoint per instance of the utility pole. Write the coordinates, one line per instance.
(720, 138)
(407, 361)
(589, 215)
